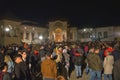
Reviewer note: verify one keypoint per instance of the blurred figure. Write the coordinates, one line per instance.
(20, 68)
(2, 55)
(67, 59)
(25, 59)
(116, 66)
(78, 60)
(95, 64)
(10, 64)
(116, 70)
(86, 49)
(5, 75)
(49, 68)
(91, 51)
(108, 66)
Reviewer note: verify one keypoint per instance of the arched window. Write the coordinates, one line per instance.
(27, 35)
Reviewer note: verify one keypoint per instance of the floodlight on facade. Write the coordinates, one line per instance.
(7, 29)
(40, 37)
(84, 30)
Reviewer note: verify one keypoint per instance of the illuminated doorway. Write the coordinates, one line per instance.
(58, 35)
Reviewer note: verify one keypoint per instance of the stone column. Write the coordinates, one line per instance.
(65, 36)
(61, 39)
(30, 36)
(24, 35)
(53, 38)
(73, 36)
(36, 35)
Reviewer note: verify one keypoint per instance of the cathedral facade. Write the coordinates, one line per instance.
(17, 31)
(60, 31)
(21, 31)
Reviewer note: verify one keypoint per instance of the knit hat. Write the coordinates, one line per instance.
(110, 49)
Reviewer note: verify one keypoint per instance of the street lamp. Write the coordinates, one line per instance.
(84, 30)
(40, 37)
(7, 29)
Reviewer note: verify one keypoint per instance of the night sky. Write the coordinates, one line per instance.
(76, 12)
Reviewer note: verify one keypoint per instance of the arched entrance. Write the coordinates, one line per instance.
(58, 37)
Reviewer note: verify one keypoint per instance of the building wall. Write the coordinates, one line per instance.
(17, 30)
(73, 34)
(86, 34)
(98, 33)
(117, 32)
(30, 33)
(10, 37)
(54, 25)
(36, 31)
(1, 32)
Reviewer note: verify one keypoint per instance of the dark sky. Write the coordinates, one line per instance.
(77, 12)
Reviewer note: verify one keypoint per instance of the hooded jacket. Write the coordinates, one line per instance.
(49, 69)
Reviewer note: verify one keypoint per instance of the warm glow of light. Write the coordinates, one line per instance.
(7, 29)
(84, 30)
(40, 37)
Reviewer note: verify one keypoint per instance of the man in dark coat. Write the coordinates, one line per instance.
(116, 70)
(20, 68)
(116, 67)
(78, 60)
(2, 55)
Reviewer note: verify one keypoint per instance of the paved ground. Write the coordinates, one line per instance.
(84, 77)
(73, 76)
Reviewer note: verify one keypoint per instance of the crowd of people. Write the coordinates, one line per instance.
(52, 61)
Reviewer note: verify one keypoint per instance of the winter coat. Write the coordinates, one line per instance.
(20, 71)
(116, 70)
(2, 57)
(78, 60)
(49, 68)
(94, 61)
(66, 56)
(116, 54)
(108, 64)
